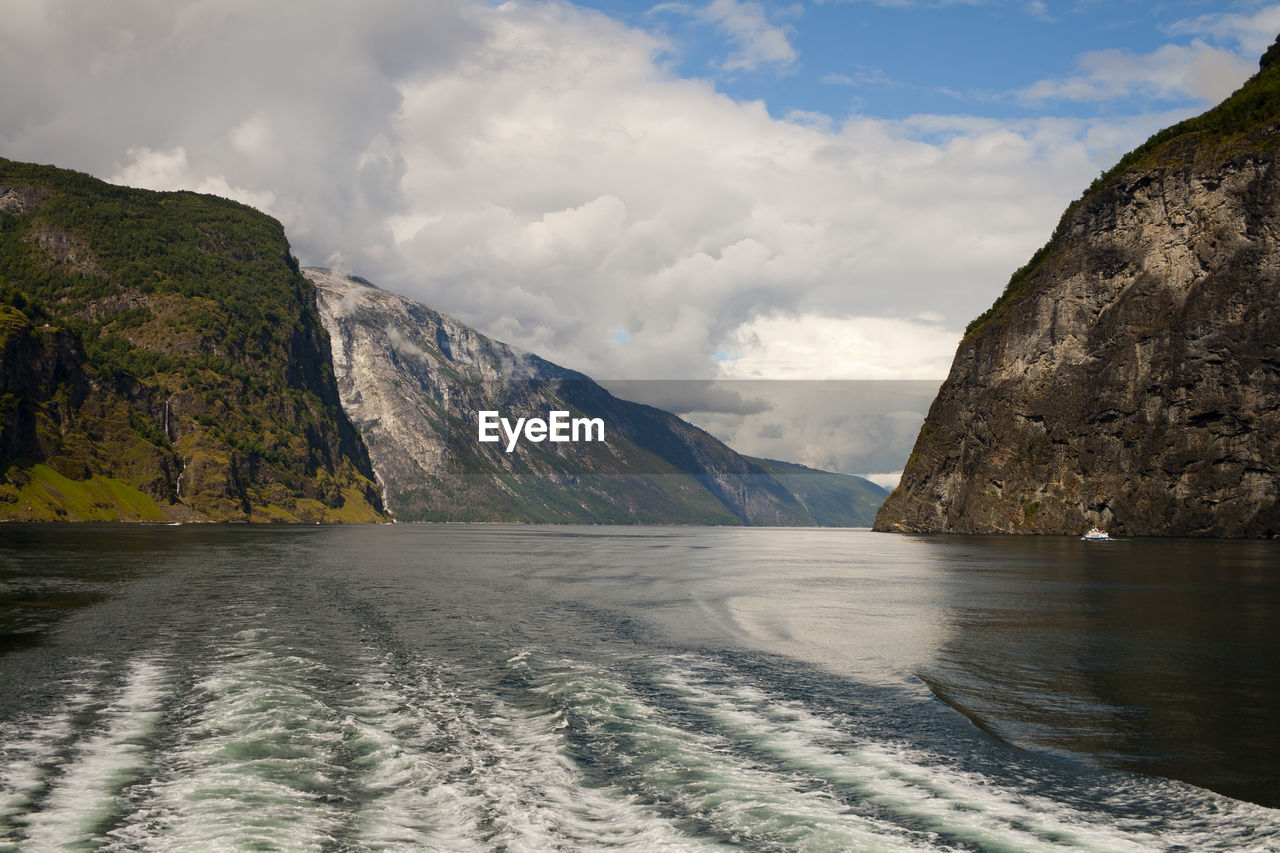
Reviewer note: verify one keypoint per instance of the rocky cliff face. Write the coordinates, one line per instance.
(1130, 375)
(413, 381)
(161, 358)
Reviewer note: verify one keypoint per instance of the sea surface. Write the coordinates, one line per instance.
(508, 688)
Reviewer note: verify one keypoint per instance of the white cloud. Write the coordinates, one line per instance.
(817, 347)
(169, 170)
(888, 480)
(757, 41)
(259, 97)
(851, 426)
(1253, 33)
(553, 203)
(254, 136)
(1037, 9)
(1171, 72)
(862, 76)
(399, 342)
(537, 170)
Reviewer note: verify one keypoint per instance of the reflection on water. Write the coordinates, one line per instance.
(855, 603)
(1150, 655)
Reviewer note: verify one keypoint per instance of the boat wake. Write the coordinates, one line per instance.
(271, 746)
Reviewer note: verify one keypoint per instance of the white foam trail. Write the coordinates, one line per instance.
(31, 751)
(465, 772)
(84, 792)
(748, 803)
(920, 786)
(403, 758)
(407, 803)
(275, 750)
(254, 766)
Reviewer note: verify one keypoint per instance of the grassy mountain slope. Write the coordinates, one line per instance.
(161, 358)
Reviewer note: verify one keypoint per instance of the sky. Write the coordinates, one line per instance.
(807, 190)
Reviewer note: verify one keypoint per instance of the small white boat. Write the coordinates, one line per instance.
(1096, 535)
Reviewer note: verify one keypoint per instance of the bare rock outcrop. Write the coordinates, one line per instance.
(1129, 377)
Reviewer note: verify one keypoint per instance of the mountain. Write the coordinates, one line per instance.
(415, 381)
(161, 358)
(833, 500)
(1129, 375)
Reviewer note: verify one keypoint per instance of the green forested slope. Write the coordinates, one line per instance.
(162, 358)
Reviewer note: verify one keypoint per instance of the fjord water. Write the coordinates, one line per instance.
(461, 688)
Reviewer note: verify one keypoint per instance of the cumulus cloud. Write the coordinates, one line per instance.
(537, 170)
(1035, 8)
(559, 203)
(270, 102)
(849, 426)
(1170, 72)
(169, 170)
(1254, 33)
(814, 347)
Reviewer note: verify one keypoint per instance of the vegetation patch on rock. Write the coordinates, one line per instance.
(165, 343)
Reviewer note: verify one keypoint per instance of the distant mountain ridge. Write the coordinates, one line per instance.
(833, 500)
(1129, 375)
(413, 381)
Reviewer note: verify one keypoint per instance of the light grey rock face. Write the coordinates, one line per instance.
(1134, 385)
(400, 367)
(20, 199)
(412, 380)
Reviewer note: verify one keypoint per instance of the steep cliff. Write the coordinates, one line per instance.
(161, 358)
(1129, 376)
(414, 380)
